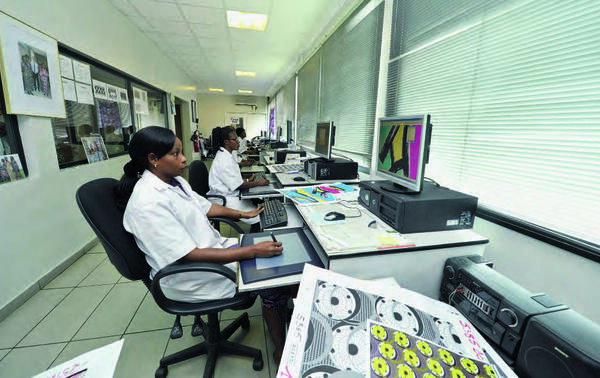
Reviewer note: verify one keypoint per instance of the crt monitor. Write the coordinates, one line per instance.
(403, 151)
(324, 139)
(290, 131)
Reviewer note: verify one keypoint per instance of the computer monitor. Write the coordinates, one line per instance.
(324, 139)
(279, 131)
(403, 151)
(290, 131)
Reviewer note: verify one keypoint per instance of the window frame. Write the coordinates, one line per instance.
(12, 130)
(130, 81)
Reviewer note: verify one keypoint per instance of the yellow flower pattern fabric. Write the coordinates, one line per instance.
(397, 354)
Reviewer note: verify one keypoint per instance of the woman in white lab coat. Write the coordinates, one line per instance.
(169, 222)
(225, 178)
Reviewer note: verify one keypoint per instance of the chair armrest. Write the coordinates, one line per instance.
(193, 266)
(222, 198)
(229, 221)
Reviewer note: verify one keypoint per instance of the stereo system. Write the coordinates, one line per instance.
(331, 169)
(532, 332)
(435, 208)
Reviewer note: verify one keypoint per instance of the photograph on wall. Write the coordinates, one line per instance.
(34, 71)
(30, 70)
(10, 168)
(94, 148)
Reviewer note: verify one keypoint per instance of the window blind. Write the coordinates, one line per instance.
(513, 88)
(308, 100)
(286, 105)
(349, 77)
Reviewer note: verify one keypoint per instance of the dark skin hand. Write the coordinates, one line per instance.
(251, 183)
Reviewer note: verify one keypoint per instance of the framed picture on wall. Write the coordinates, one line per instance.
(30, 70)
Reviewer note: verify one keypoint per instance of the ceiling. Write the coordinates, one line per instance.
(196, 35)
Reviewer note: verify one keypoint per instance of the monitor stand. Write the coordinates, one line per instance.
(395, 188)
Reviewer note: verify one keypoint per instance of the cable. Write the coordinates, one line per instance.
(451, 296)
(351, 207)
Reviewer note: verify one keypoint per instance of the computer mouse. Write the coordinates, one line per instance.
(334, 216)
(299, 178)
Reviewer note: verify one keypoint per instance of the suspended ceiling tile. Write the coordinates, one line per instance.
(204, 15)
(254, 6)
(205, 31)
(125, 7)
(154, 10)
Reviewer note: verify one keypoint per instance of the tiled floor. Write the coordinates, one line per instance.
(90, 305)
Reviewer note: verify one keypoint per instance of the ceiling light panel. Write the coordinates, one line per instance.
(216, 89)
(251, 21)
(244, 91)
(245, 73)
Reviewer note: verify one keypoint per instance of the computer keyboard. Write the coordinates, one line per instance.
(274, 214)
(287, 167)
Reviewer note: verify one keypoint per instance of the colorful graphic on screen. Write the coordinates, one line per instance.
(272, 122)
(399, 148)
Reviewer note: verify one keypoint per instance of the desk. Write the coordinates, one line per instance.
(417, 267)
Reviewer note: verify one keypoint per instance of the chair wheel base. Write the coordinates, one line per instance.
(245, 323)
(258, 364)
(161, 372)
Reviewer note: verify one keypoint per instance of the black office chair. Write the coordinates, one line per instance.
(198, 175)
(98, 203)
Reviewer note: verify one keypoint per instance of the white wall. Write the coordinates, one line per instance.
(40, 224)
(215, 110)
(540, 267)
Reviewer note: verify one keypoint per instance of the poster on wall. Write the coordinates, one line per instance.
(84, 93)
(100, 90)
(123, 97)
(30, 70)
(81, 72)
(112, 92)
(272, 122)
(66, 67)
(69, 89)
(140, 101)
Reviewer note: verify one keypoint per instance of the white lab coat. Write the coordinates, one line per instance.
(224, 178)
(243, 145)
(168, 223)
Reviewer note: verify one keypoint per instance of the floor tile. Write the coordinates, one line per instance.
(77, 348)
(104, 274)
(27, 362)
(79, 270)
(237, 366)
(66, 319)
(151, 317)
(20, 322)
(3, 352)
(141, 354)
(98, 248)
(270, 346)
(114, 313)
(255, 310)
(227, 366)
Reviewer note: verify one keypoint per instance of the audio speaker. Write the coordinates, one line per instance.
(561, 344)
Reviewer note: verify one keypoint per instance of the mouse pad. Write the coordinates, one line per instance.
(394, 353)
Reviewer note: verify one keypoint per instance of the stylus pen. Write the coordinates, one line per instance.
(273, 237)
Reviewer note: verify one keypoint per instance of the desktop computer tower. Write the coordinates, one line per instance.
(435, 208)
(331, 169)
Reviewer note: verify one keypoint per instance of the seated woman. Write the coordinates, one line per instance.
(225, 178)
(169, 222)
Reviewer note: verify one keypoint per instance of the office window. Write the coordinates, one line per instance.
(113, 116)
(286, 105)
(156, 112)
(349, 77)
(339, 84)
(309, 77)
(12, 159)
(513, 88)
